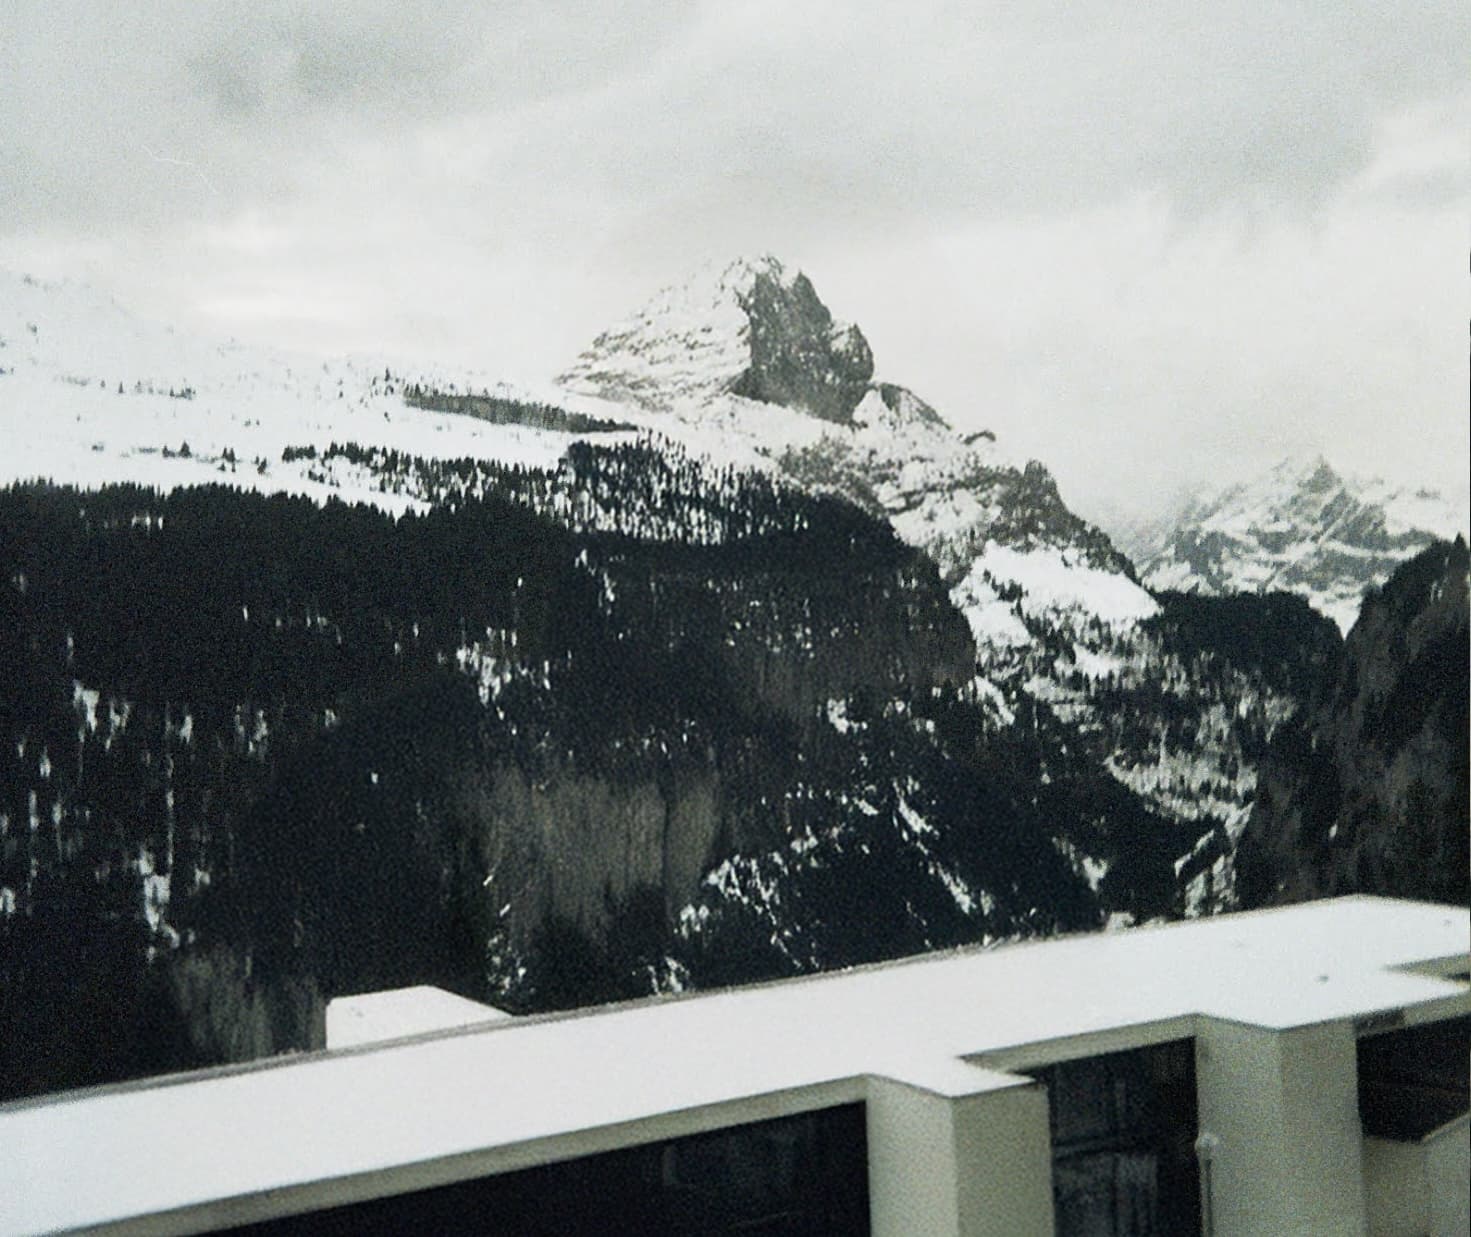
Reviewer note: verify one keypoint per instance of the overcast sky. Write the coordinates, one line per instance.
(1152, 244)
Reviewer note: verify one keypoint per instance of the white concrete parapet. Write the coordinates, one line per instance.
(396, 1013)
(1283, 1107)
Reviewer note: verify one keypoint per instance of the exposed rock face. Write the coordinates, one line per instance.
(753, 329)
(225, 1016)
(1367, 791)
(575, 847)
(1302, 528)
(800, 357)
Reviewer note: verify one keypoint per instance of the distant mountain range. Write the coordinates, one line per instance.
(715, 660)
(1301, 528)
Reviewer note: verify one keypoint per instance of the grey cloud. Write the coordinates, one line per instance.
(279, 60)
(265, 95)
(1438, 190)
(235, 88)
(864, 114)
(889, 115)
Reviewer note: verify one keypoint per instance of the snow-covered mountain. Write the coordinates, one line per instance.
(610, 674)
(743, 367)
(1304, 528)
(751, 329)
(745, 362)
(92, 394)
(1063, 628)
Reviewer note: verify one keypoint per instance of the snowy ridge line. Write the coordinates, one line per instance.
(1304, 528)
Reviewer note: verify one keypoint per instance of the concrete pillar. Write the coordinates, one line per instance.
(1279, 1109)
(959, 1157)
(1447, 1169)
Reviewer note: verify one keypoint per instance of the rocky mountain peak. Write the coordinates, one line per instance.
(1321, 479)
(753, 328)
(800, 356)
(722, 355)
(1302, 527)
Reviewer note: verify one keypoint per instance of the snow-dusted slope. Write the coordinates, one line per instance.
(743, 365)
(1302, 528)
(91, 394)
(691, 341)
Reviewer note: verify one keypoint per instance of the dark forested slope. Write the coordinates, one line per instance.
(627, 725)
(1366, 792)
(258, 752)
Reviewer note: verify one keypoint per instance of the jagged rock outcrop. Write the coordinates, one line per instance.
(1301, 528)
(800, 357)
(752, 329)
(1367, 791)
(227, 1014)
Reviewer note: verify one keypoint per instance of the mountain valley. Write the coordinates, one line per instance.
(715, 661)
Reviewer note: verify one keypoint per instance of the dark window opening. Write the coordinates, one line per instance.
(1416, 1080)
(1123, 1143)
(800, 1176)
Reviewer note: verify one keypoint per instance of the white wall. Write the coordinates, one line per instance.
(1396, 1187)
(1448, 1180)
(1004, 1151)
(1420, 1189)
(946, 1165)
(912, 1171)
(1284, 1106)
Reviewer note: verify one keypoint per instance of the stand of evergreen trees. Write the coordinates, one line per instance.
(261, 724)
(626, 724)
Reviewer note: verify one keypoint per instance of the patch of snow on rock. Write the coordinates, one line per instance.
(1051, 581)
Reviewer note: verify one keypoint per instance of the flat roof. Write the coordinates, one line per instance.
(513, 1093)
